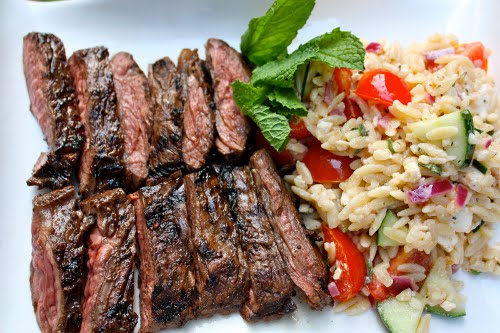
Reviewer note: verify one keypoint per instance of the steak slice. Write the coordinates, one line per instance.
(109, 290)
(54, 104)
(167, 273)
(101, 164)
(58, 262)
(168, 110)
(222, 275)
(271, 288)
(226, 66)
(198, 123)
(305, 265)
(134, 111)
(53, 170)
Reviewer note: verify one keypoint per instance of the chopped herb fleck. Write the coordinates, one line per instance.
(474, 272)
(491, 132)
(362, 130)
(478, 130)
(476, 229)
(390, 145)
(432, 167)
(357, 151)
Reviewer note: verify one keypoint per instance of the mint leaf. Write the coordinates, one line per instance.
(274, 126)
(247, 95)
(287, 99)
(337, 49)
(250, 100)
(268, 36)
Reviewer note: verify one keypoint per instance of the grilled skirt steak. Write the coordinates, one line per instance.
(167, 273)
(271, 288)
(136, 117)
(168, 110)
(303, 260)
(198, 123)
(58, 263)
(226, 65)
(109, 290)
(54, 104)
(53, 170)
(222, 275)
(101, 164)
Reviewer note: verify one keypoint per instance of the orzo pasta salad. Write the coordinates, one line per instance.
(397, 166)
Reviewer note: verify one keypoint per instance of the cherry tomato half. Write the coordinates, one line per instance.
(379, 291)
(384, 87)
(325, 166)
(343, 80)
(299, 129)
(351, 262)
(476, 53)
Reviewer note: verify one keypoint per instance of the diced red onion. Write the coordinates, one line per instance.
(455, 268)
(433, 55)
(462, 194)
(338, 111)
(373, 303)
(426, 191)
(400, 283)
(488, 143)
(332, 288)
(383, 122)
(328, 96)
(430, 99)
(374, 47)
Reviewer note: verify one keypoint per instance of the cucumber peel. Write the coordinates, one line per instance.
(460, 147)
(388, 221)
(400, 317)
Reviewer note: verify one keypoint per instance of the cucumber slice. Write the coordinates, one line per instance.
(460, 143)
(400, 317)
(439, 280)
(388, 221)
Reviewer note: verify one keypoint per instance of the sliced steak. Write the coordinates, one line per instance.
(168, 110)
(101, 164)
(167, 272)
(271, 288)
(53, 170)
(109, 290)
(222, 275)
(54, 104)
(198, 124)
(303, 260)
(58, 263)
(226, 66)
(136, 117)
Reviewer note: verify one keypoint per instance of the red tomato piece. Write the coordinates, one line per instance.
(352, 109)
(343, 80)
(351, 261)
(325, 166)
(280, 158)
(299, 129)
(476, 52)
(384, 87)
(379, 291)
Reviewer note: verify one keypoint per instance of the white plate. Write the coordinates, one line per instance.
(155, 28)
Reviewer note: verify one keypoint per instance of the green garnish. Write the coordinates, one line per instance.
(357, 151)
(490, 133)
(474, 272)
(268, 36)
(478, 130)
(336, 49)
(480, 167)
(437, 169)
(476, 229)
(271, 99)
(287, 99)
(390, 145)
(362, 130)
